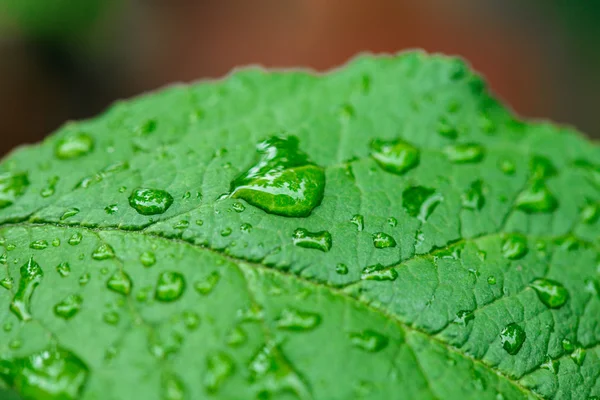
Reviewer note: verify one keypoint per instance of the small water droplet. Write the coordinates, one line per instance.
(382, 240)
(514, 246)
(182, 225)
(31, 276)
(69, 213)
(512, 338)
(111, 317)
(226, 232)
(6, 283)
(69, 307)
(191, 320)
(395, 156)
(147, 259)
(369, 340)
(541, 168)
(507, 167)
(473, 198)
(172, 388)
(378, 272)
(84, 279)
(537, 198)
(463, 317)
(238, 207)
(567, 345)
(4, 259)
(446, 129)
(10, 247)
(103, 252)
(236, 337)
(64, 269)
(551, 293)
(312, 240)
(170, 286)
(219, 367)
(150, 201)
(38, 245)
(56, 242)
(359, 221)
(550, 365)
(392, 222)
(341, 269)
(206, 285)
(12, 186)
(578, 356)
(491, 280)
(246, 228)
(75, 239)
(465, 153)
(111, 209)
(283, 181)
(297, 320)
(420, 202)
(590, 213)
(120, 283)
(74, 146)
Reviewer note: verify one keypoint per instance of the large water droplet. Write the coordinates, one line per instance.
(473, 198)
(395, 156)
(219, 367)
(120, 283)
(578, 356)
(31, 276)
(74, 146)
(378, 272)
(382, 240)
(206, 285)
(147, 259)
(359, 221)
(420, 202)
(170, 286)
(312, 240)
(514, 246)
(103, 252)
(6, 283)
(150, 201)
(283, 181)
(38, 245)
(341, 269)
(64, 269)
(12, 186)
(369, 340)
(464, 153)
(75, 239)
(537, 198)
(69, 307)
(512, 338)
(296, 320)
(50, 374)
(553, 294)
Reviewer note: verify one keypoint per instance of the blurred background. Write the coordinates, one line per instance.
(69, 59)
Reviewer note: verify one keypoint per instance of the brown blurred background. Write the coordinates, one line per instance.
(69, 59)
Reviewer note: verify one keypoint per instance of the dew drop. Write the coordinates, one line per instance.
(111, 317)
(491, 280)
(170, 286)
(120, 283)
(420, 202)
(296, 320)
(38, 245)
(378, 272)
(219, 367)
(150, 201)
(283, 181)
(446, 129)
(74, 146)
(236, 337)
(395, 156)
(551, 365)
(312, 240)
(463, 317)
(103, 252)
(473, 198)
(71, 212)
(172, 388)
(191, 320)
(56, 242)
(507, 167)
(75, 239)
(578, 356)
(69, 307)
(383, 240)
(465, 153)
(147, 259)
(31, 276)
(514, 246)
(111, 209)
(12, 186)
(246, 228)
(64, 269)
(51, 374)
(341, 269)
(226, 232)
(537, 198)
(590, 213)
(359, 221)
(551, 293)
(369, 340)
(181, 225)
(512, 338)
(206, 285)
(84, 279)
(238, 207)
(393, 222)
(541, 168)
(567, 345)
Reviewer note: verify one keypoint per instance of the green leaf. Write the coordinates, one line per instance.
(387, 230)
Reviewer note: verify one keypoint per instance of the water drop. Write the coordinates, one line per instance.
(69, 306)
(219, 367)
(514, 246)
(69, 213)
(590, 213)
(507, 167)
(170, 286)
(172, 388)
(392, 222)
(3, 259)
(541, 168)
(103, 252)
(75, 239)
(206, 285)
(12, 186)
(238, 207)
(111, 317)
(84, 279)
(182, 225)
(420, 202)
(550, 365)
(578, 356)
(551, 293)
(395, 156)
(236, 337)
(296, 320)
(312, 240)
(246, 228)
(74, 146)
(150, 201)
(567, 345)
(383, 240)
(464, 153)
(359, 221)
(226, 232)
(283, 181)
(473, 198)
(148, 259)
(491, 280)
(51, 374)
(111, 209)
(446, 129)
(537, 198)
(512, 338)
(56, 242)
(64, 269)
(378, 272)
(463, 317)
(369, 340)
(341, 269)
(31, 276)
(6, 283)
(191, 320)
(120, 283)
(38, 245)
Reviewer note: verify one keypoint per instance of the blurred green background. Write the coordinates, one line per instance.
(69, 59)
